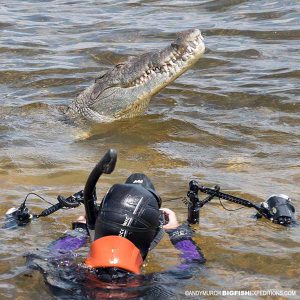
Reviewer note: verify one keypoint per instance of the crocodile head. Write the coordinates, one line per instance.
(125, 90)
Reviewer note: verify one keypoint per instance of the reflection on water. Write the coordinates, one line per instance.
(233, 120)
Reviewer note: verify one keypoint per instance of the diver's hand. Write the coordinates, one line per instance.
(171, 216)
(79, 224)
(81, 219)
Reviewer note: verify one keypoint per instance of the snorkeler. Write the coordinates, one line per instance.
(129, 224)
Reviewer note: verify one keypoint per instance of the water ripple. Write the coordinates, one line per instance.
(232, 120)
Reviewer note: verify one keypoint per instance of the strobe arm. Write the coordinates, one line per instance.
(70, 202)
(194, 203)
(220, 195)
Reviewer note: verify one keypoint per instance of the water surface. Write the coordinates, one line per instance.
(233, 120)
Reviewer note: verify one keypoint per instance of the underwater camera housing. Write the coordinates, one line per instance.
(279, 209)
(17, 217)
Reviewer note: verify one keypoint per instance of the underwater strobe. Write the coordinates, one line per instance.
(277, 208)
(21, 216)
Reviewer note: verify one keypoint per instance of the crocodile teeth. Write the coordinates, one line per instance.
(195, 43)
(189, 49)
(165, 68)
(185, 57)
(171, 65)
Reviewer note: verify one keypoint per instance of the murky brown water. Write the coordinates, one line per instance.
(233, 120)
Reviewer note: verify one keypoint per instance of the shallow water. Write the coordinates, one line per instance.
(233, 120)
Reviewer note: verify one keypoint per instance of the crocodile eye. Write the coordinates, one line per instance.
(119, 66)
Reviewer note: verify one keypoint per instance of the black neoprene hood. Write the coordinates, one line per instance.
(132, 211)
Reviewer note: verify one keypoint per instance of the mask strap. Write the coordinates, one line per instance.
(158, 237)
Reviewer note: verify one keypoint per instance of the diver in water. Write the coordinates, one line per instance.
(129, 224)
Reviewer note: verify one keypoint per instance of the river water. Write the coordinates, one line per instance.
(232, 120)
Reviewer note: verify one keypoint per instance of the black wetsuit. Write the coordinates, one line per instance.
(71, 280)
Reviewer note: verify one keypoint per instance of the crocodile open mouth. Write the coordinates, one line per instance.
(126, 89)
(179, 57)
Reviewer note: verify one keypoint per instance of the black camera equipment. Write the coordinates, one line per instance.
(21, 216)
(277, 208)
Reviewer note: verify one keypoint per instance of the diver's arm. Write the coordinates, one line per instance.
(73, 239)
(181, 237)
(60, 252)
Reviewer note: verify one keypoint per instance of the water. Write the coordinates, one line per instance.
(233, 120)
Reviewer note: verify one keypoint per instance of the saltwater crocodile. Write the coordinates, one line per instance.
(125, 90)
